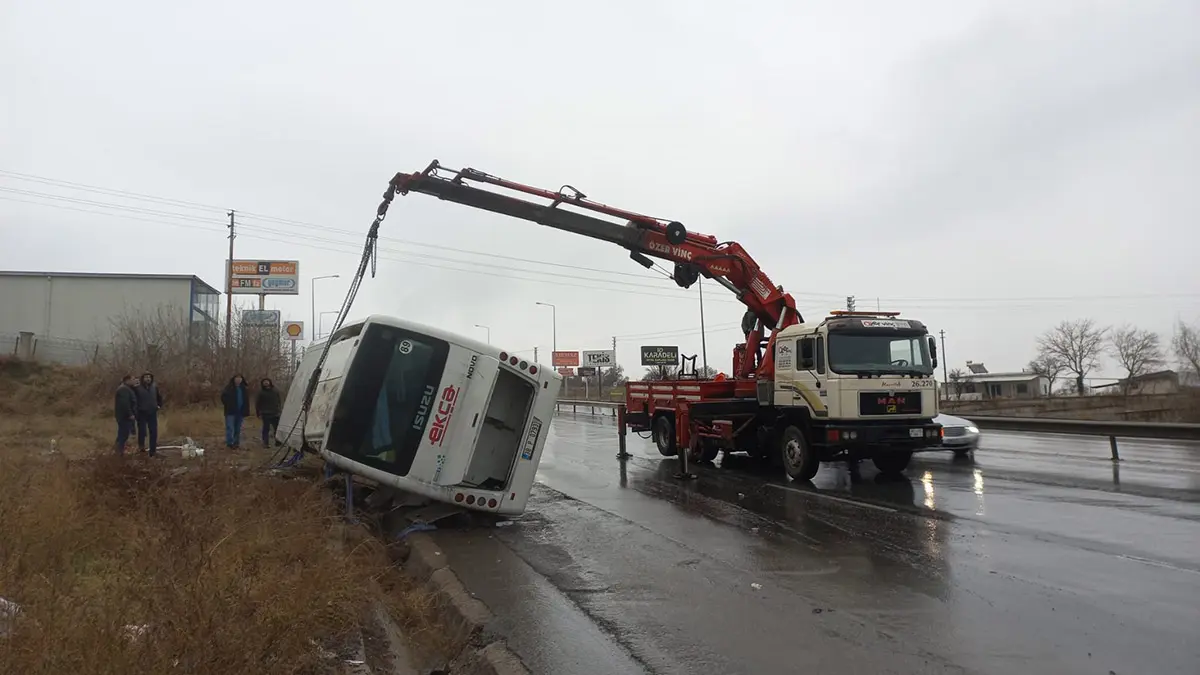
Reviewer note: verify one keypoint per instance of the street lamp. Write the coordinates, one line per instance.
(554, 320)
(489, 332)
(321, 318)
(313, 293)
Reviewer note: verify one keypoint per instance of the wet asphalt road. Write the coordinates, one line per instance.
(1036, 557)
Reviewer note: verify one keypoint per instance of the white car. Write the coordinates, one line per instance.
(960, 435)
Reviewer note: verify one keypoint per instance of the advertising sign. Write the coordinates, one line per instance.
(264, 277)
(568, 359)
(660, 356)
(293, 330)
(566, 372)
(603, 358)
(260, 317)
(586, 371)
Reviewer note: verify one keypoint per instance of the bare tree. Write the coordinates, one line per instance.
(1078, 344)
(958, 380)
(1186, 345)
(1048, 366)
(1136, 350)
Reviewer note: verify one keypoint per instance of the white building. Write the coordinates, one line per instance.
(70, 313)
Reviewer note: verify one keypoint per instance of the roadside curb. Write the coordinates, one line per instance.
(483, 654)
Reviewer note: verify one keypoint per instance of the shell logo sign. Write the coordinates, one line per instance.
(293, 330)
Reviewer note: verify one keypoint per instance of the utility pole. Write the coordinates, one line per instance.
(850, 303)
(945, 377)
(229, 288)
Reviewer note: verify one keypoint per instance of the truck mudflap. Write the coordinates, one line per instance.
(914, 436)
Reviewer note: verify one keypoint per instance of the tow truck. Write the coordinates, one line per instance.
(853, 386)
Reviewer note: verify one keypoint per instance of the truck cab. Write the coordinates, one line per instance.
(857, 385)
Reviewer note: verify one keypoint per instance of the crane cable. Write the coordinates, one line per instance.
(370, 256)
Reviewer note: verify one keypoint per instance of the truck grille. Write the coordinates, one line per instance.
(955, 432)
(885, 403)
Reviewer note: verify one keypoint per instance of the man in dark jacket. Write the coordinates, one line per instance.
(268, 405)
(149, 402)
(235, 399)
(125, 409)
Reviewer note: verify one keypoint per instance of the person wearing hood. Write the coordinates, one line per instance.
(149, 402)
(235, 399)
(268, 405)
(125, 408)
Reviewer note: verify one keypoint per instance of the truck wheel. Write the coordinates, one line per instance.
(892, 462)
(664, 436)
(799, 461)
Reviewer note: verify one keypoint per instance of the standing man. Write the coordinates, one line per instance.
(149, 402)
(235, 399)
(268, 405)
(125, 409)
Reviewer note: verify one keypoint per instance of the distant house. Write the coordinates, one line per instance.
(1161, 382)
(977, 384)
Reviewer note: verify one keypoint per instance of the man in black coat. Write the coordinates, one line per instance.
(149, 402)
(268, 405)
(235, 400)
(125, 409)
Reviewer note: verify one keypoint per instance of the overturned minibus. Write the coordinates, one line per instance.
(425, 411)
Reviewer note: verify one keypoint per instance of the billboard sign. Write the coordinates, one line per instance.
(566, 372)
(601, 358)
(586, 371)
(660, 356)
(264, 277)
(293, 330)
(261, 317)
(568, 359)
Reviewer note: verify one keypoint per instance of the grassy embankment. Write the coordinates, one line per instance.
(228, 568)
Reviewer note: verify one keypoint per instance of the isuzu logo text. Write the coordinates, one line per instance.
(441, 419)
(424, 407)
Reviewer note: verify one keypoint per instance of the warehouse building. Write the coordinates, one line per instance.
(69, 315)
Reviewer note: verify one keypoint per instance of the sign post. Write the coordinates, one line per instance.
(294, 332)
(599, 359)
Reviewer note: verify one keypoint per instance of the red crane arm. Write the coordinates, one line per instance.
(694, 254)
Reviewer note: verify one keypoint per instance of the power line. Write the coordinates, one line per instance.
(939, 304)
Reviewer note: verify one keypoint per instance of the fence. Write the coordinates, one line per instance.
(62, 351)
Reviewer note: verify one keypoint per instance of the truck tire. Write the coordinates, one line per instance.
(664, 436)
(797, 456)
(892, 462)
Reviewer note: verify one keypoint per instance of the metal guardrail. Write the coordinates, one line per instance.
(1112, 429)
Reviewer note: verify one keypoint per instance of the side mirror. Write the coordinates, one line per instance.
(933, 352)
(807, 359)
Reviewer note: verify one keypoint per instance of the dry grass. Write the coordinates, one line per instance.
(230, 569)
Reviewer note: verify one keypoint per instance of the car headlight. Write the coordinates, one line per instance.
(972, 430)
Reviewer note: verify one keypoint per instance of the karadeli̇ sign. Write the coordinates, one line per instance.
(264, 277)
(660, 356)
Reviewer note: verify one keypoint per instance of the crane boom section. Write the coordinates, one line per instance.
(693, 253)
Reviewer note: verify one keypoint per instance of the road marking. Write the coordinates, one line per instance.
(822, 495)
(1159, 563)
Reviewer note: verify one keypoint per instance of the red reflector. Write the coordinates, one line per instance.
(942, 431)
(533, 370)
(470, 499)
(513, 496)
(831, 435)
(491, 503)
(458, 497)
(524, 365)
(503, 356)
(513, 361)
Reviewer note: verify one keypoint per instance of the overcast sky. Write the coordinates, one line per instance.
(987, 167)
